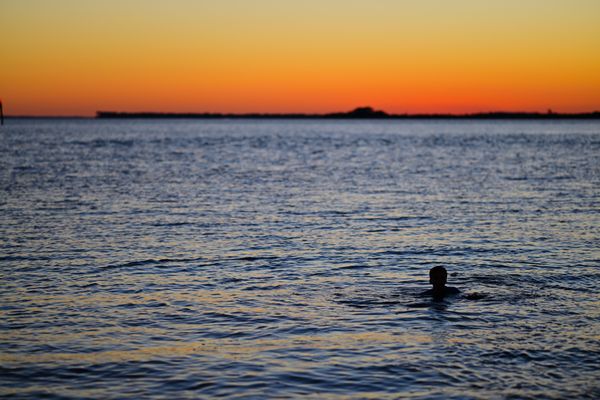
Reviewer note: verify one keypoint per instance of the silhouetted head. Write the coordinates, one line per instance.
(438, 277)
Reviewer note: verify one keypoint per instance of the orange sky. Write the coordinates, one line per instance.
(73, 57)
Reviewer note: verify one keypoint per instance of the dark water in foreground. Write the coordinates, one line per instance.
(253, 259)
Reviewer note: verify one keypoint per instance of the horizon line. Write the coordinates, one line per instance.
(366, 112)
(363, 112)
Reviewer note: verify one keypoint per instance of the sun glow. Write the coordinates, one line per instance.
(69, 57)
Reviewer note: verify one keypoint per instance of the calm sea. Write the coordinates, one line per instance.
(284, 259)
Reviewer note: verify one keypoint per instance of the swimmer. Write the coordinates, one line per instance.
(438, 277)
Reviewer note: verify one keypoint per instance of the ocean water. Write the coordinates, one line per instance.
(285, 259)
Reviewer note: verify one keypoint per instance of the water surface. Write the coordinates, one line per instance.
(253, 259)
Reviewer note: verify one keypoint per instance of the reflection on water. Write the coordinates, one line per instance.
(285, 259)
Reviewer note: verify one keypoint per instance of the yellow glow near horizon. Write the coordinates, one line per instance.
(69, 57)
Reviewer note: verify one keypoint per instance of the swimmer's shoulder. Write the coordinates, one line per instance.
(451, 290)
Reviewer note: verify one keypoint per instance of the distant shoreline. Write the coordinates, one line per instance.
(363, 113)
(477, 116)
(357, 113)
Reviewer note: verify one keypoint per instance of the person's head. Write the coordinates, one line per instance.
(438, 277)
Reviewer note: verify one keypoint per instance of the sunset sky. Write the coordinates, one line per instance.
(73, 57)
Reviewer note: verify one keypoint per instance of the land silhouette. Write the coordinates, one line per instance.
(357, 113)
